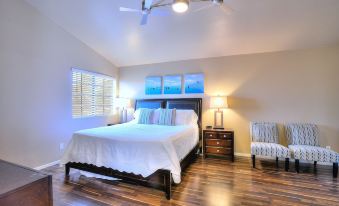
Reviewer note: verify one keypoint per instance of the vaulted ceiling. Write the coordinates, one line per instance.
(255, 26)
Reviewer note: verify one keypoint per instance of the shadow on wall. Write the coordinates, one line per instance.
(243, 108)
(325, 135)
(240, 104)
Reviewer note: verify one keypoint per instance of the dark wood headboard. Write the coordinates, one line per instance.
(182, 103)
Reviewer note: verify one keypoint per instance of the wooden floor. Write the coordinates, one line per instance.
(208, 182)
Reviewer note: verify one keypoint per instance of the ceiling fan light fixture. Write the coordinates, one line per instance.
(180, 6)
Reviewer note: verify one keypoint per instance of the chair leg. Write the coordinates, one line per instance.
(277, 162)
(315, 164)
(335, 169)
(253, 161)
(297, 166)
(287, 164)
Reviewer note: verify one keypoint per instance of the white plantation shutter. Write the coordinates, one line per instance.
(92, 94)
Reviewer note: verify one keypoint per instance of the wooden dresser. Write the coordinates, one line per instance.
(24, 186)
(218, 143)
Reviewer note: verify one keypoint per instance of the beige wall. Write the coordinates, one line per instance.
(36, 56)
(293, 86)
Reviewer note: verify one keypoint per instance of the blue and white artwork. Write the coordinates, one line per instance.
(153, 85)
(194, 83)
(172, 84)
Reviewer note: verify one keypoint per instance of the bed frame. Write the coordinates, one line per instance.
(161, 179)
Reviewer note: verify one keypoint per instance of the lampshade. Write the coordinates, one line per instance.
(122, 103)
(180, 6)
(218, 102)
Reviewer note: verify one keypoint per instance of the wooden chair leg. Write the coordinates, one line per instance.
(277, 162)
(297, 166)
(67, 169)
(335, 169)
(287, 164)
(253, 161)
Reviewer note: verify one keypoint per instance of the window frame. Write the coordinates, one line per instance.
(92, 97)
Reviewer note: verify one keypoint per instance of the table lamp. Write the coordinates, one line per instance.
(123, 104)
(218, 103)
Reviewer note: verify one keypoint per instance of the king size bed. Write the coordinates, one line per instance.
(151, 155)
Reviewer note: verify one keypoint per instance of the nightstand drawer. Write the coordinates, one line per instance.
(224, 135)
(218, 150)
(211, 135)
(218, 143)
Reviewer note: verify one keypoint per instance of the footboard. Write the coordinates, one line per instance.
(161, 179)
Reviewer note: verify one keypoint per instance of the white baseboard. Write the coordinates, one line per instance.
(47, 165)
(236, 154)
(242, 154)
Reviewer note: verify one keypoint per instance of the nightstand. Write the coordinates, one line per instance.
(218, 143)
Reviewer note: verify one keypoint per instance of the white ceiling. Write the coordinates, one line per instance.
(255, 26)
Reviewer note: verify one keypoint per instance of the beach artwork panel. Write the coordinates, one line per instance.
(172, 84)
(153, 85)
(194, 83)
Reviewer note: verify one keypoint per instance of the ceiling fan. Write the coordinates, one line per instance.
(216, 3)
(179, 6)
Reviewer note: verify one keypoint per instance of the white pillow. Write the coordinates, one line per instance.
(185, 117)
(182, 117)
(136, 114)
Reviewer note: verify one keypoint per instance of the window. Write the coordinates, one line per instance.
(92, 94)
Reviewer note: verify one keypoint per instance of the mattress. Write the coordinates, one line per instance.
(134, 148)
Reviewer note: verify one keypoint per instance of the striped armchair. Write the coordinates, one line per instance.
(304, 144)
(264, 137)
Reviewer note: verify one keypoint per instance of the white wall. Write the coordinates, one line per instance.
(36, 56)
(291, 86)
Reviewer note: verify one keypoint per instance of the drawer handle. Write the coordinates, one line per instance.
(217, 150)
(217, 142)
(211, 135)
(224, 135)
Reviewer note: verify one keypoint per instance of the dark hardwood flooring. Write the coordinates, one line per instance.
(208, 182)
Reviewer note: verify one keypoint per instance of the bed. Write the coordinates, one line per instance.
(148, 155)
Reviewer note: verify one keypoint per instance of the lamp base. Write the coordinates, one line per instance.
(218, 122)
(219, 128)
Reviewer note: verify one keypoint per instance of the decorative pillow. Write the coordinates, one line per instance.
(145, 116)
(155, 116)
(167, 117)
(185, 117)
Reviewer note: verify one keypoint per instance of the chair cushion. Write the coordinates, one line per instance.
(269, 149)
(313, 153)
(264, 132)
(302, 134)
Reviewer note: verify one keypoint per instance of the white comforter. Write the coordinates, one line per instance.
(134, 148)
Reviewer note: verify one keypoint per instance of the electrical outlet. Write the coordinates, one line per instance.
(328, 147)
(61, 146)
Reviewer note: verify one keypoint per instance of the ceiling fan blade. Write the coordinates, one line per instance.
(129, 9)
(144, 19)
(204, 7)
(227, 9)
(148, 4)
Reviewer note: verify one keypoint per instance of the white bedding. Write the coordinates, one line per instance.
(134, 148)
